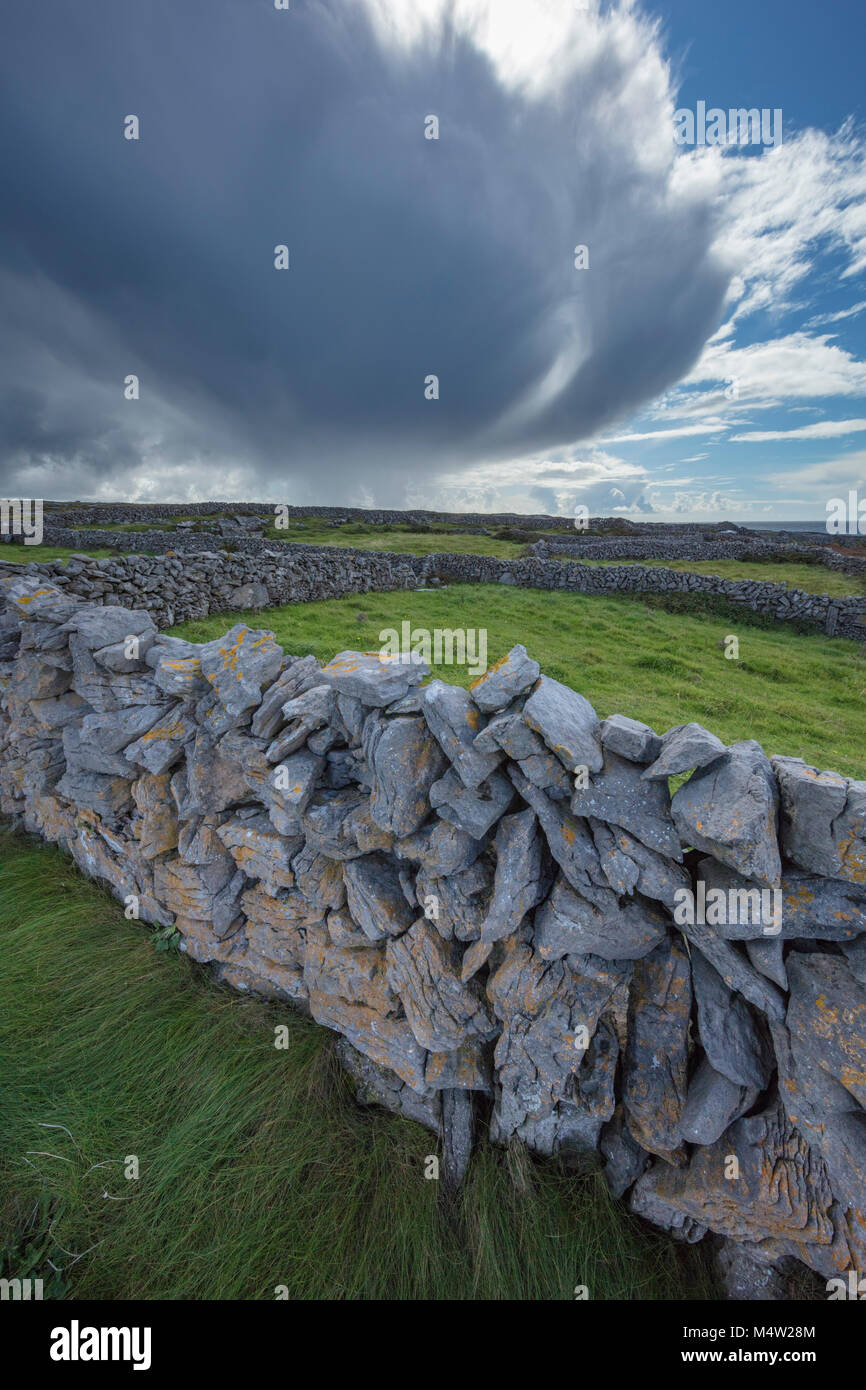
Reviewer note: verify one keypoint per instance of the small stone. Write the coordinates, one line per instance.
(630, 739)
(712, 1104)
(729, 810)
(684, 747)
(509, 678)
(567, 722)
(373, 678)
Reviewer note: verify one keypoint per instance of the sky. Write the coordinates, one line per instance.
(433, 337)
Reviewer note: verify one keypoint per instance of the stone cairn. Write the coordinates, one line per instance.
(482, 892)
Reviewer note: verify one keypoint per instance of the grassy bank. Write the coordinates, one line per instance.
(256, 1167)
(800, 695)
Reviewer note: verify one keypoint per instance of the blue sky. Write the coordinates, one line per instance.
(708, 361)
(781, 53)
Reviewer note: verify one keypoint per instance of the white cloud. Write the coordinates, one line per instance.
(795, 366)
(824, 429)
(656, 436)
(820, 320)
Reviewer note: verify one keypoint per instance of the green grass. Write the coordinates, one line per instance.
(358, 535)
(815, 579)
(399, 540)
(803, 695)
(256, 1167)
(23, 554)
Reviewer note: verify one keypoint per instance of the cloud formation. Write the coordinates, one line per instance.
(409, 257)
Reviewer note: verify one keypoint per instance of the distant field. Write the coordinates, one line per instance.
(815, 579)
(803, 695)
(358, 535)
(400, 540)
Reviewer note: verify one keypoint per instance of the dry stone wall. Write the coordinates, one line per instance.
(182, 582)
(490, 895)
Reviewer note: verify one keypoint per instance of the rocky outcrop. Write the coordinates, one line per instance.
(486, 893)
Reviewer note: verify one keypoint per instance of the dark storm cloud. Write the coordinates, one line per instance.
(408, 256)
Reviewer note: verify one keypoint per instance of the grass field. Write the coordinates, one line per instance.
(815, 579)
(256, 1167)
(23, 554)
(355, 535)
(796, 694)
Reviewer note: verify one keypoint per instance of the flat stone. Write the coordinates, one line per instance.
(655, 1068)
(827, 1019)
(303, 715)
(355, 974)
(567, 722)
(424, 970)
(468, 1068)
(684, 747)
(509, 678)
(299, 676)
(404, 761)
(734, 1039)
(811, 908)
(823, 820)
(319, 879)
(97, 628)
(510, 733)
(628, 865)
(259, 851)
(181, 677)
(240, 665)
(295, 778)
(624, 1159)
(156, 827)
(547, 1011)
(456, 903)
(628, 738)
(767, 955)
(826, 1114)
(568, 924)
(569, 841)
(372, 678)
(521, 879)
(386, 1040)
(109, 797)
(377, 1085)
(163, 744)
(729, 810)
(735, 969)
(782, 1191)
(441, 848)
(618, 795)
(712, 1104)
(454, 721)
(375, 898)
(473, 811)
